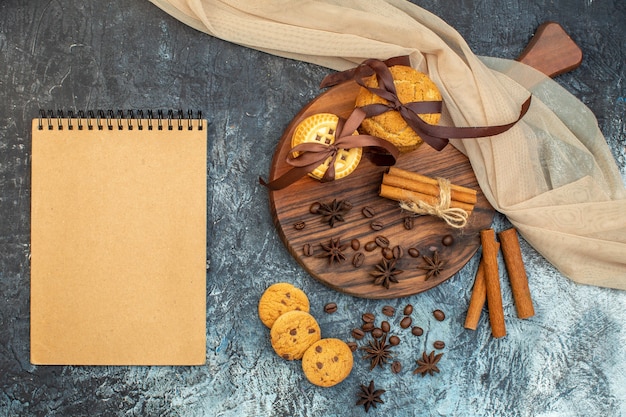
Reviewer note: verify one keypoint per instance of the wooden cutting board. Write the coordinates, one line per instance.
(556, 53)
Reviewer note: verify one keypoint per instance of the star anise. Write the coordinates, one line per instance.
(434, 265)
(333, 250)
(385, 273)
(369, 396)
(428, 364)
(333, 212)
(378, 352)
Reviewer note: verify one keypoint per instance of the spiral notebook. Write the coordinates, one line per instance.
(118, 239)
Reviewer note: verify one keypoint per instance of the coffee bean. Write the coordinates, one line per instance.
(368, 318)
(330, 308)
(447, 240)
(358, 334)
(389, 311)
(414, 253)
(299, 225)
(396, 367)
(315, 208)
(370, 246)
(408, 310)
(397, 252)
(368, 212)
(385, 326)
(439, 344)
(356, 245)
(417, 331)
(353, 346)
(357, 259)
(439, 315)
(377, 225)
(387, 254)
(408, 223)
(377, 332)
(382, 241)
(307, 249)
(406, 322)
(394, 340)
(367, 327)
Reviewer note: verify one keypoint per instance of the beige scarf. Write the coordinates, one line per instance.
(552, 174)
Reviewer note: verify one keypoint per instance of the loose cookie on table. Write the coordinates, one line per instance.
(327, 362)
(280, 298)
(293, 333)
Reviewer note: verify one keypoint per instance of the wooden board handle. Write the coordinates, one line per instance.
(551, 51)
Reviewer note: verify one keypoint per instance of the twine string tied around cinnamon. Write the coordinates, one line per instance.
(453, 216)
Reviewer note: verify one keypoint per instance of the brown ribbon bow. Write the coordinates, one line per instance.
(435, 136)
(312, 154)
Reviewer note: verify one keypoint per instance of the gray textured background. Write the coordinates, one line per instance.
(568, 360)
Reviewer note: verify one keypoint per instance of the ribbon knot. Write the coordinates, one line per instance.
(396, 105)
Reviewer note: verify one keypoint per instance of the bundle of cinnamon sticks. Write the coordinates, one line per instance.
(401, 185)
(487, 282)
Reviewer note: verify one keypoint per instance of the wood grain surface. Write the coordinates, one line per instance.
(552, 51)
(291, 205)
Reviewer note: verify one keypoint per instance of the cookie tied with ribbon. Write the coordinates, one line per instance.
(320, 128)
(411, 86)
(328, 147)
(376, 78)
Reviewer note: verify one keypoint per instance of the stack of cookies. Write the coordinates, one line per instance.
(295, 334)
(411, 86)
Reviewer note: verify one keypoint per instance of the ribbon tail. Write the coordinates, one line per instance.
(288, 178)
(421, 128)
(375, 109)
(453, 132)
(329, 175)
(339, 77)
(302, 165)
(352, 123)
(425, 107)
(383, 75)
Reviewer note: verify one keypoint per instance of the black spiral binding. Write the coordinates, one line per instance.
(120, 120)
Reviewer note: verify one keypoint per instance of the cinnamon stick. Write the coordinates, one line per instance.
(478, 298)
(416, 182)
(492, 282)
(512, 255)
(401, 194)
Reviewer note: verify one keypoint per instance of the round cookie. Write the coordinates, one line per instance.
(280, 298)
(293, 333)
(327, 362)
(411, 85)
(320, 128)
